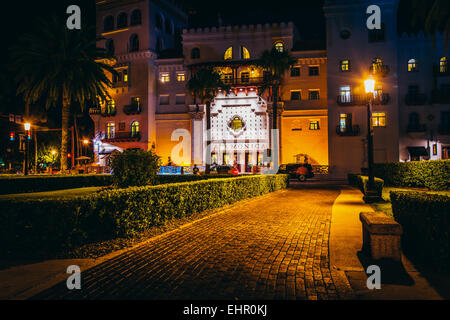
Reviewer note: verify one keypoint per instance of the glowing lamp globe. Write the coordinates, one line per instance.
(369, 85)
(27, 126)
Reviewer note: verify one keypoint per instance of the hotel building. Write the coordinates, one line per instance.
(321, 115)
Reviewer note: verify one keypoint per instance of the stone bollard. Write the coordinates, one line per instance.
(381, 236)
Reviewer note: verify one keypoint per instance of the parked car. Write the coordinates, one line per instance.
(300, 171)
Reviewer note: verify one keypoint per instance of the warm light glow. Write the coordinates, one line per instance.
(53, 152)
(85, 141)
(369, 85)
(27, 126)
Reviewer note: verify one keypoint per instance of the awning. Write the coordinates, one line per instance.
(418, 151)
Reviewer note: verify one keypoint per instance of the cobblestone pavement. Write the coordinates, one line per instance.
(272, 247)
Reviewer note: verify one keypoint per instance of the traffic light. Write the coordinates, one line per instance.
(12, 136)
(29, 134)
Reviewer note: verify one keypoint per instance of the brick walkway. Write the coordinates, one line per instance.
(273, 247)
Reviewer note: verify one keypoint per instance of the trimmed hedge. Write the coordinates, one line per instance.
(363, 182)
(425, 219)
(21, 184)
(42, 227)
(434, 174)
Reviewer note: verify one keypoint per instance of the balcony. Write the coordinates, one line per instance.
(440, 97)
(416, 128)
(121, 137)
(98, 111)
(381, 70)
(361, 100)
(132, 109)
(242, 82)
(350, 132)
(95, 110)
(416, 99)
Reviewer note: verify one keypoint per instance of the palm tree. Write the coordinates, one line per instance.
(205, 84)
(275, 63)
(434, 15)
(61, 66)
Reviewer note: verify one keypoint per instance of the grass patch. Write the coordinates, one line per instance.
(386, 206)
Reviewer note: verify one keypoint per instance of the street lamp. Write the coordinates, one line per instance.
(369, 85)
(27, 127)
(85, 142)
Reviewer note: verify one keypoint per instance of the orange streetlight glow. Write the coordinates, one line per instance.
(369, 85)
(27, 126)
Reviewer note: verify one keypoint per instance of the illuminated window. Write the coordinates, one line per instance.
(377, 65)
(134, 129)
(136, 101)
(214, 157)
(412, 65)
(345, 94)
(181, 77)
(314, 95)
(295, 72)
(296, 95)
(228, 54)
(314, 125)
(313, 71)
(279, 46)
(379, 119)
(443, 65)
(110, 130)
(228, 78)
(345, 65)
(435, 152)
(245, 54)
(225, 158)
(378, 92)
(345, 122)
(164, 77)
(236, 124)
(125, 75)
(111, 107)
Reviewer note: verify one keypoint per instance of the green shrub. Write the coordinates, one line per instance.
(352, 179)
(25, 184)
(434, 175)
(135, 167)
(425, 219)
(39, 227)
(363, 182)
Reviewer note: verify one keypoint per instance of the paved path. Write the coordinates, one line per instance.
(272, 247)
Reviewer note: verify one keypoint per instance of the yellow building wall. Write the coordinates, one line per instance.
(297, 140)
(164, 130)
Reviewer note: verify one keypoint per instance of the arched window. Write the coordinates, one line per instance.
(228, 54)
(279, 46)
(412, 65)
(109, 46)
(108, 23)
(443, 65)
(169, 27)
(122, 20)
(158, 21)
(134, 43)
(195, 53)
(245, 54)
(135, 18)
(135, 129)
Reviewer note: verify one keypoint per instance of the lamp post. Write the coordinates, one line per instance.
(27, 127)
(369, 85)
(85, 142)
(53, 160)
